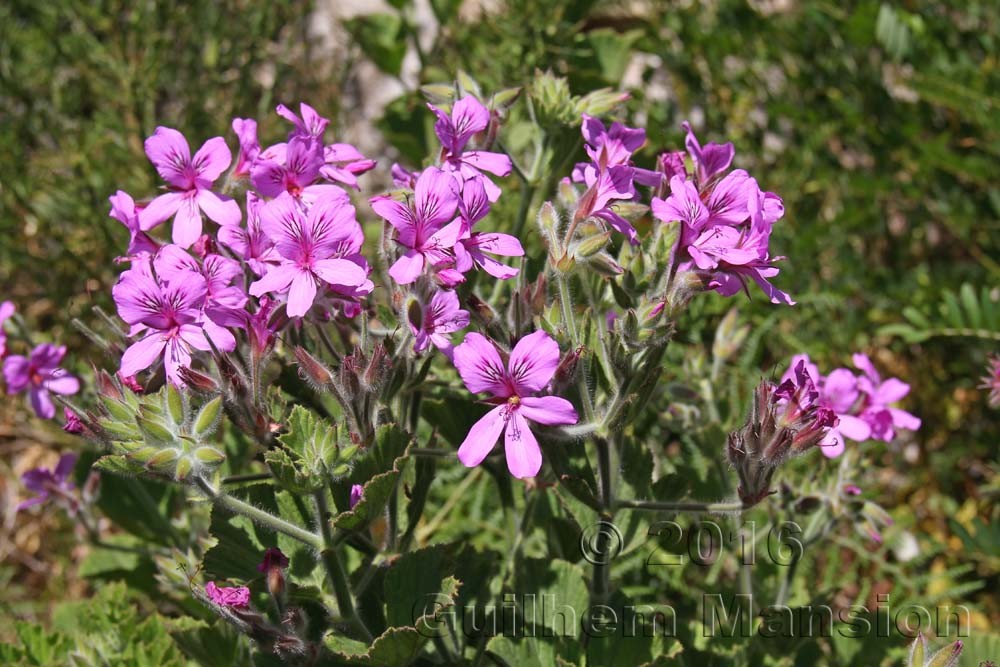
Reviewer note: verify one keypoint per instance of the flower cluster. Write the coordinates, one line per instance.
(862, 403)
(297, 242)
(786, 420)
(725, 218)
(991, 381)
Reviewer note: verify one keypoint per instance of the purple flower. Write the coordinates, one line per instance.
(344, 163)
(990, 381)
(468, 117)
(45, 483)
(273, 557)
(170, 320)
(610, 148)
(238, 596)
(190, 180)
(875, 410)
(224, 302)
(73, 424)
(403, 178)
(293, 168)
(603, 188)
(40, 375)
(246, 134)
(252, 244)
(420, 227)
(709, 160)
(472, 247)
(531, 366)
(357, 492)
(430, 322)
(6, 312)
(124, 211)
(318, 247)
(310, 124)
(838, 392)
(725, 223)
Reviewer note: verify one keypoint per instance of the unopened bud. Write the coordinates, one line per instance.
(548, 223)
(312, 370)
(480, 309)
(199, 381)
(591, 246)
(728, 336)
(603, 264)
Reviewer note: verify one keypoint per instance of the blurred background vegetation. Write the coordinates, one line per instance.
(878, 123)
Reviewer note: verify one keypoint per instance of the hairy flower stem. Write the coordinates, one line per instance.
(335, 570)
(237, 506)
(654, 506)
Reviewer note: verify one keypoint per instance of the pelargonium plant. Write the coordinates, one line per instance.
(324, 371)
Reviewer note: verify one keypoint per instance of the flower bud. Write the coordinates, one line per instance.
(198, 381)
(591, 246)
(318, 375)
(729, 337)
(548, 223)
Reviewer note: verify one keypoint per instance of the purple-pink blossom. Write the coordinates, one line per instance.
(513, 386)
(612, 147)
(6, 312)
(878, 394)
(246, 134)
(45, 483)
(861, 403)
(426, 229)
(40, 376)
(251, 244)
(357, 493)
(468, 118)
(238, 596)
(431, 322)
(725, 218)
(224, 301)
(473, 248)
(168, 317)
(73, 424)
(190, 181)
(604, 187)
(318, 247)
(990, 381)
(123, 209)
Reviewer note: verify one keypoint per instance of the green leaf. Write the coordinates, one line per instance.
(561, 591)
(382, 38)
(613, 51)
(209, 645)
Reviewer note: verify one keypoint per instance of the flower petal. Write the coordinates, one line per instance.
(168, 150)
(301, 294)
(480, 367)
(142, 354)
(524, 457)
(221, 209)
(482, 437)
(548, 410)
(533, 362)
(213, 158)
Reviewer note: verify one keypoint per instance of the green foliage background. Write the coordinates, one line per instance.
(878, 124)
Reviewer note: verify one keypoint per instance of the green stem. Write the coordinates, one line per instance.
(265, 519)
(655, 506)
(335, 570)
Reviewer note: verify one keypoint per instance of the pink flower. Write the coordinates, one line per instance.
(224, 302)
(468, 118)
(190, 181)
(604, 187)
(344, 163)
(238, 596)
(73, 424)
(170, 320)
(709, 160)
(839, 392)
(310, 124)
(246, 134)
(252, 244)
(357, 492)
(318, 247)
(292, 168)
(6, 312)
(40, 375)
(990, 381)
(124, 211)
(531, 366)
(431, 321)
(612, 147)
(420, 227)
(45, 483)
(472, 247)
(725, 221)
(875, 410)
